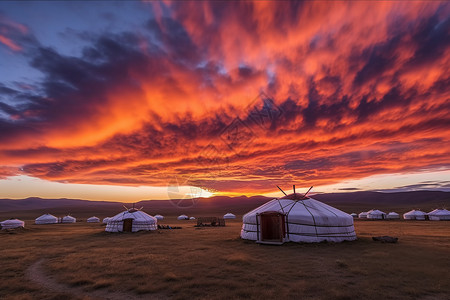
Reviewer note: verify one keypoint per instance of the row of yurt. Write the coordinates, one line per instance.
(131, 220)
(297, 218)
(11, 224)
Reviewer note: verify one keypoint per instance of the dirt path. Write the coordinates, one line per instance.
(36, 274)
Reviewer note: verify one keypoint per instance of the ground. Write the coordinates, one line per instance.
(82, 261)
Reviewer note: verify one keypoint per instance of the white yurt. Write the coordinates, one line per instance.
(106, 220)
(439, 215)
(183, 217)
(46, 219)
(192, 218)
(159, 217)
(68, 219)
(414, 215)
(363, 215)
(297, 218)
(354, 215)
(392, 215)
(12, 223)
(229, 216)
(93, 219)
(376, 214)
(131, 220)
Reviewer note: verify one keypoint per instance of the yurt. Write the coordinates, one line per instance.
(68, 219)
(183, 217)
(12, 223)
(354, 215)
(376, 214)
(131, 220)
(414, 215)
(93, 219)
(392, 215)
(439, 215)
(192, 218)
(159, 217)
(229, 216)
(363, 215)
(106, 220)
(46, 219)
(297, 218)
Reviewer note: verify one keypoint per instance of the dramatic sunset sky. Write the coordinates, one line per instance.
(131, 100)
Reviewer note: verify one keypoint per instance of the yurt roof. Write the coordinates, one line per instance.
(135, 214)
(182, 216)
(295, 196)
(393, 213)
(229, 214)
(46, 216)
(11, 222)
(439, 212)
(416, 212)
(376, 212)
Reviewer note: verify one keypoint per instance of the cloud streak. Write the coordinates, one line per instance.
(236, 96)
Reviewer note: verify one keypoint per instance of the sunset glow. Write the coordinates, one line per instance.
(124, 100)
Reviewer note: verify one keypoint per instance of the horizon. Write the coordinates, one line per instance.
(138, 100)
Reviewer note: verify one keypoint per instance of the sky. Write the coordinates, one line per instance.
(130, 100)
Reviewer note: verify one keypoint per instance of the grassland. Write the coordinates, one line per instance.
(82, 261)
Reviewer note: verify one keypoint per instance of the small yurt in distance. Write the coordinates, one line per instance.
(354, 215)
(229, 216)
(392, 215)
(183, 217)
(376, 214)
(93, 219)
(439, 215)
(414, 215)
(297, 218)
(12, 223)
(46, 219)
(68, 219)
(131, 220)
(159, 217)
(363, 215)
(192, 218)
(106, 220)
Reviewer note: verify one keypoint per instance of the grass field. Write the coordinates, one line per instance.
(65, 261)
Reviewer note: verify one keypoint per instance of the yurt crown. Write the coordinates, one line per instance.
(133, 209)
(295, 196)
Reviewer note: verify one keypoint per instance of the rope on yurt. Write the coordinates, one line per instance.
(314, 220)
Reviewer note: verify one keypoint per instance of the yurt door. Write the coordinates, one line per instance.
(272, 227)
(128, 225)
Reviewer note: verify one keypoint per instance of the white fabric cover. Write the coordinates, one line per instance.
(363, 215)
(392, 215)
(159, 217)
(93, 219)
(106, 220)
(307, 220)
(68, 219)
(183, 217)
(12, 223)
(439, 215)
(375, 214)
(192, 218)
(414, 215)
(229, 216)
(141, 221)
(46, 219)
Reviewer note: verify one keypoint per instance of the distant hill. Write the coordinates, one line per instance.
(219, 205)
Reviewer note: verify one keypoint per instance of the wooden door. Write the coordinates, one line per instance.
(272, 226)
(127, 225)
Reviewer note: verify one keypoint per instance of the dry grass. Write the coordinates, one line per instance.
(214, 263)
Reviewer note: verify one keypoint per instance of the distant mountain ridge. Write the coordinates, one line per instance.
(349, 202)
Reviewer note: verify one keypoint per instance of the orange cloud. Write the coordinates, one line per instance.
(349, 90)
